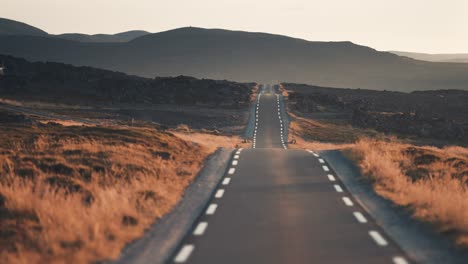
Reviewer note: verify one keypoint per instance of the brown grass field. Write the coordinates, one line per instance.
(430, 182)
(76, 194)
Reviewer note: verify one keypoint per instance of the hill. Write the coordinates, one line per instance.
(246, 56)
(119, 37)
(459, 58)
(11, 27)
(67, 84)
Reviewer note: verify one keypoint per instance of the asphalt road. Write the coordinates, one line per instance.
(283, 206)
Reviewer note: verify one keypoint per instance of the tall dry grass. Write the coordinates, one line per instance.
(79, 194)
(212, 142)
(431, 182)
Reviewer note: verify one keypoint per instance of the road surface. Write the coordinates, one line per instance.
(283, 206)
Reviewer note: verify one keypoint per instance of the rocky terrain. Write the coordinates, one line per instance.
(57, 82)
(441, 114)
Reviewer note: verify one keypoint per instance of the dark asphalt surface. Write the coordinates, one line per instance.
(280, 206)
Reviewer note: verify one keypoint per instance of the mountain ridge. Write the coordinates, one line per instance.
(13, 27)
(435, 57)
(246, 56)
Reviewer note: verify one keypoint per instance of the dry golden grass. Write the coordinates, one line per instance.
(431, 182)
(310, 134)
(65, 122)
(284, 92)
(79, 194)
(212, 142)
(312, 130)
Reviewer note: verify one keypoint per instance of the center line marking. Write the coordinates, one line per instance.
(325, 168)
(219, 193)
(331, 177)
(211, 209)
(184, 254)
(347, 201)
(360, 217)
(399, 260)
(378, 238)
(200, 229)
(321, 161)
(231, 171)
(235, 162)
(226, 181)
(338, 188)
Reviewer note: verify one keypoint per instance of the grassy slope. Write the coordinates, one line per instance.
(79, 194)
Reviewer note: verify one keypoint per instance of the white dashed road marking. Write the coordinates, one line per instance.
(236, 156)
(321, 161)
(325, 168)
(360, 217)
(226, 181)
(231, 171)
(235, 162)
(399, 260)
(378, 238)
(184, 254)
(331, 177)
(211, 209)
(347, 201)
(219, 193)
(200, 229)
(338, 188)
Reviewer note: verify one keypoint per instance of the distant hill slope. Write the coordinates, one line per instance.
(11, 27)
(246, 56)
(459, 58)
(120, 37)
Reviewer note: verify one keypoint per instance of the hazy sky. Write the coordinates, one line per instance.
(439, 26)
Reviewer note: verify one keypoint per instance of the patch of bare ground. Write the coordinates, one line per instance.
(431, 182)
(76, 194)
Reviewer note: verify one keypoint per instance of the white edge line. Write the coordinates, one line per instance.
(360, 217)
(348, 201)
(211, 209)
(399, 260)
(219, 193)
(338, 188)
(226, 181)
(378, 238)
(184, 253)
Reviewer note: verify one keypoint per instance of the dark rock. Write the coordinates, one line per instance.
(64, 183)
(129, 220)
(425, 159)
(2, 200)
(417, 174)
(162, 154)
